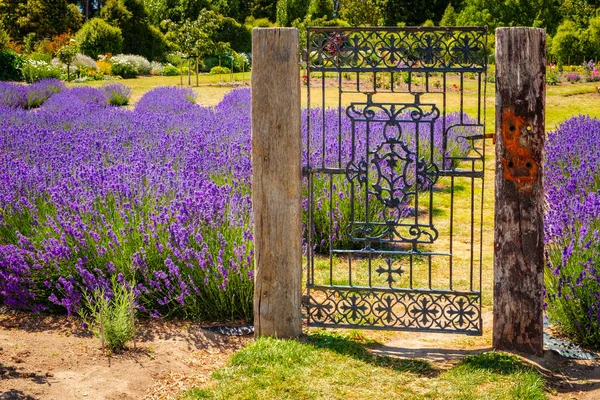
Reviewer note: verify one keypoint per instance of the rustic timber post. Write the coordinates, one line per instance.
(276, 182)
(519, 218)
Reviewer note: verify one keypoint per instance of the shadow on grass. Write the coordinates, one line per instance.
(495, 362)
(349, 347)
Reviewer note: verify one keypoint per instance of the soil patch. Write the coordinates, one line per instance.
(53, 357)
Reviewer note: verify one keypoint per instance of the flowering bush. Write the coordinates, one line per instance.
(125, 62)
(34, 71)
(573, 78)
(123, 67)
(573, 229)
(170, 100)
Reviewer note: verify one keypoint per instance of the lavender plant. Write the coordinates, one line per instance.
(118, 94)
(573, 229)
(30, 96)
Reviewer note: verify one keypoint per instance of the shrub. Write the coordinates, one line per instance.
(170, 70)
(4, 37)
(220, 70)
(33, 71)
(156, 68)
(123, 67)
(118, 94)
(29, 96)
(104, 67)
(572, 229)
(573, 78)
(237, 35)
(111, 315)
(84, 99)
(10, 66)
(552, 75)
(97, 37)
(142, 66)
(12, 94)
(566, 44)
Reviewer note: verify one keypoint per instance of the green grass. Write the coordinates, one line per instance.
(334, 366)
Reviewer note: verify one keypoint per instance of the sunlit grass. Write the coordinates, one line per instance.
(336, 366)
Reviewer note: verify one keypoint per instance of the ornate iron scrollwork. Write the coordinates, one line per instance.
(392, 172)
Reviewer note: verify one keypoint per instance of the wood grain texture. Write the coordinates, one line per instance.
(276, 182)
(519, 214)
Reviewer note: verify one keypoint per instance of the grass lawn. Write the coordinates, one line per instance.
(327, 365)
(338, 365)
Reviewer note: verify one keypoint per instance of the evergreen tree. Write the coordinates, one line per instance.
(449, 17)
(321, 9)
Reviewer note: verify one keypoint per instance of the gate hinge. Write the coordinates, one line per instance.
(304, 55)
(491, 136)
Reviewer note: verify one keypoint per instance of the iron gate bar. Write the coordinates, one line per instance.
(382, 55)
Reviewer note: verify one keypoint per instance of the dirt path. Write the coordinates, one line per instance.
(52, 357)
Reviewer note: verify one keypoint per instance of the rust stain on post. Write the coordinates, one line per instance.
(519, 165)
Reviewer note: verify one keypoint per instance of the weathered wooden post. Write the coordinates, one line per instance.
(276, 182)
(519, 219)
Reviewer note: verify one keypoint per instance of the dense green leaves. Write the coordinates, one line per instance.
(97, 37)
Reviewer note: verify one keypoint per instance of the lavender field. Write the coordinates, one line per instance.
(158, 197)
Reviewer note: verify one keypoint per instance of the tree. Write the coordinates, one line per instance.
(45, 18)
(264, 9)
(290, 10)
(566, 44)
(409, 13)
(66, 55)
(579, 11)
(362, 12)
(196, 37)
(97, 37)
(4, 37)
(543, 13)
(139, 37)
(449, 17)
(320, 9)
(592, 35)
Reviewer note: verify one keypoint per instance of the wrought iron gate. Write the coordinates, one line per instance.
(394, 165)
